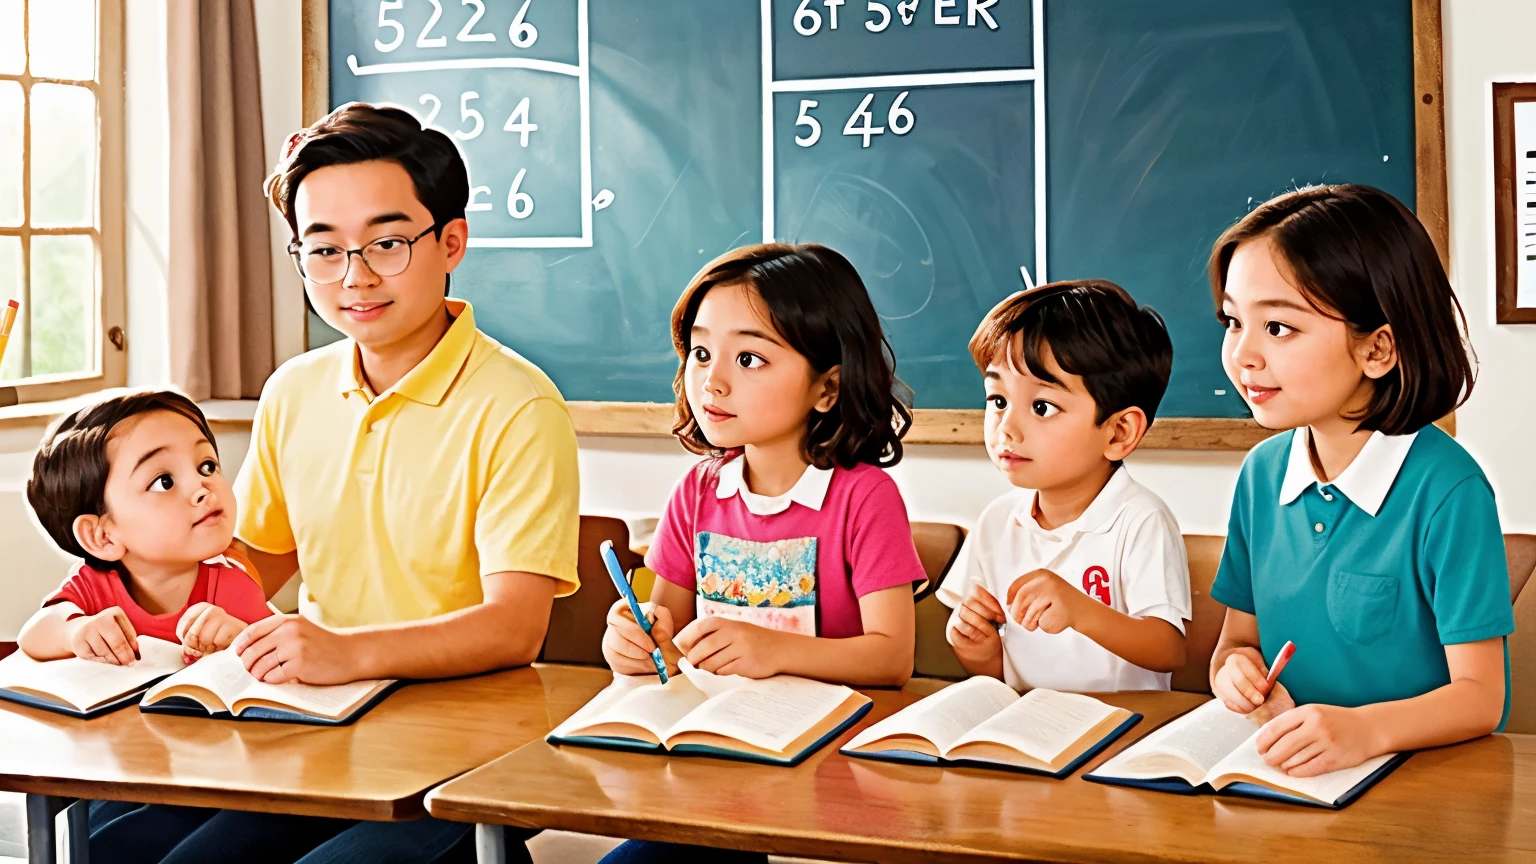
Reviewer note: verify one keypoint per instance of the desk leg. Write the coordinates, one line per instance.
(42, 844)
(490, 844)
(79, 844)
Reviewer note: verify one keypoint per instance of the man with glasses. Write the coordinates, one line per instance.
(421, 476)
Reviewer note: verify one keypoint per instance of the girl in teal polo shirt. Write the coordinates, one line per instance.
(1367, 536)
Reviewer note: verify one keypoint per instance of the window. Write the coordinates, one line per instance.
(61, 200)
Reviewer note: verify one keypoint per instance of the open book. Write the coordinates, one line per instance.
(983, 722)
(86, 688)
(1213, 749)
(778, 720)
(218, 686)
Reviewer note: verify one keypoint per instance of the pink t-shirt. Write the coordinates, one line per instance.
(222, 581)
(802, 569)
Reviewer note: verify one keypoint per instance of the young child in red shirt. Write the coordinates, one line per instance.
(132, 484)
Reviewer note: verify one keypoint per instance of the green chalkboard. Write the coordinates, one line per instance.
(955, 150)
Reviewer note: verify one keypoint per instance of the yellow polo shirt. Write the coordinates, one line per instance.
(398, 503)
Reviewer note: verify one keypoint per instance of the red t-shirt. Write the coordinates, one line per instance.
(222, 581)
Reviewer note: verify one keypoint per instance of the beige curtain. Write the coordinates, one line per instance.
(220, 272)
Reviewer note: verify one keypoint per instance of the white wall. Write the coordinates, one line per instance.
(1487, 41)
(1483, 42)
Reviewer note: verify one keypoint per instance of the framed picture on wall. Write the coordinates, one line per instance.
(1514, 186)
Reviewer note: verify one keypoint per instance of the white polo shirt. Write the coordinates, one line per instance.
(1126, 550)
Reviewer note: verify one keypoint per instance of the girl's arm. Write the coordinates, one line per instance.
(882, 657)
(1237, 665)
(1315, 739)
(626, 647)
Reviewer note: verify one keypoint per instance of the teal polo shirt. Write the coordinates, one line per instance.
(1372, 574)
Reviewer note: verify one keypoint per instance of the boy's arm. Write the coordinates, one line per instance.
(505, 629)
(1150, 643)
(46, 634)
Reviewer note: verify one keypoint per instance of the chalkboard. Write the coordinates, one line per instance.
(955, 150)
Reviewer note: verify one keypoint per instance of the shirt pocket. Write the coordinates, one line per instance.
(1361, 606)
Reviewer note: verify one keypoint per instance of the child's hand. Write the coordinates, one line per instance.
(974, 633)
(205, 628)
(105, 637)
(1240, 681)
(1315, 739)
(626, 647)
(1041, 600)
(726, 646)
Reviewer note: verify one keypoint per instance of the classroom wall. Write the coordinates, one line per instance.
(632, 476)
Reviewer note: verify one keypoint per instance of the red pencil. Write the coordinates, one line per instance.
(1281, 659)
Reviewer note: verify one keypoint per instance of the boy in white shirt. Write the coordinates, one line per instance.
(1078, 579)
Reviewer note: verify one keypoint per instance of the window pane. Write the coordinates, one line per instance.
(13, 58)
(63, 304)
(10, 289)
(10, 153)
(63, 156)
(62, 39)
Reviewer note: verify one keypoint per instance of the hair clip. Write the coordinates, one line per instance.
(293, 143)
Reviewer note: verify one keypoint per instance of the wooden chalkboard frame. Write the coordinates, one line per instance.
(1505, 218)
(964, 426)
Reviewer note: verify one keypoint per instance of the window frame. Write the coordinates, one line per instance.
(109, 358)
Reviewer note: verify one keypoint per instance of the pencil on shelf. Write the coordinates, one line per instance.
(7, 321)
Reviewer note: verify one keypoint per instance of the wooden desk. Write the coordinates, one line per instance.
(377, 769)
(1472, 802)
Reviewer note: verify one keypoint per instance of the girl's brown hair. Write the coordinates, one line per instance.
(1359, 256)
(818, 303)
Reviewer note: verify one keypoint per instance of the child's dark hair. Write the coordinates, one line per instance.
(1359, 256)
(359, 132)
(1094, 330)
(69, 472)
(818, 303)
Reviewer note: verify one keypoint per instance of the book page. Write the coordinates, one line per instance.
(332, 701)
(221, 674)
(85, 684)
(1187, 747)
(712, 684)
(1244, 764)
(1042, 724)
(943, 717)
(654, 707)
(769, 713)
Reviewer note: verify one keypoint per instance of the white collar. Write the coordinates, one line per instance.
(1365, 482)
(226, 562)
(809, 491)
(1099, 516)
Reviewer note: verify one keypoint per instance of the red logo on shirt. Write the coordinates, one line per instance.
(1096, 584)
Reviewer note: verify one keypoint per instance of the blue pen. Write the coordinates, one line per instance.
(628, 593)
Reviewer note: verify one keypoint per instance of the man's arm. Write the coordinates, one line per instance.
(274, 571)
(506, 629)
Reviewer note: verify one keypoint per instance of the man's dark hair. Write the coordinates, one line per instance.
(359, 132)
(1359, 256)
(1094, 330)
(69, 472)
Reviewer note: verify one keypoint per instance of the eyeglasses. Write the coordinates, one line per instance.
(324, 265)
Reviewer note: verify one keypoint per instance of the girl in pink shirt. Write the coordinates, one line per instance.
(787, 550)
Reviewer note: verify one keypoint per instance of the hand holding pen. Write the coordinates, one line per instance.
(632, 642)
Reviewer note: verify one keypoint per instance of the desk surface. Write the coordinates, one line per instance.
(1476, 801)
(378, 768)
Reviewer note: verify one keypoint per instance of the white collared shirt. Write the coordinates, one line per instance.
(1365, 481)
(1125, 549)
(809, 491)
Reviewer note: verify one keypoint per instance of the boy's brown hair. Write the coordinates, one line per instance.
(69, 472)
(1094, 330)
